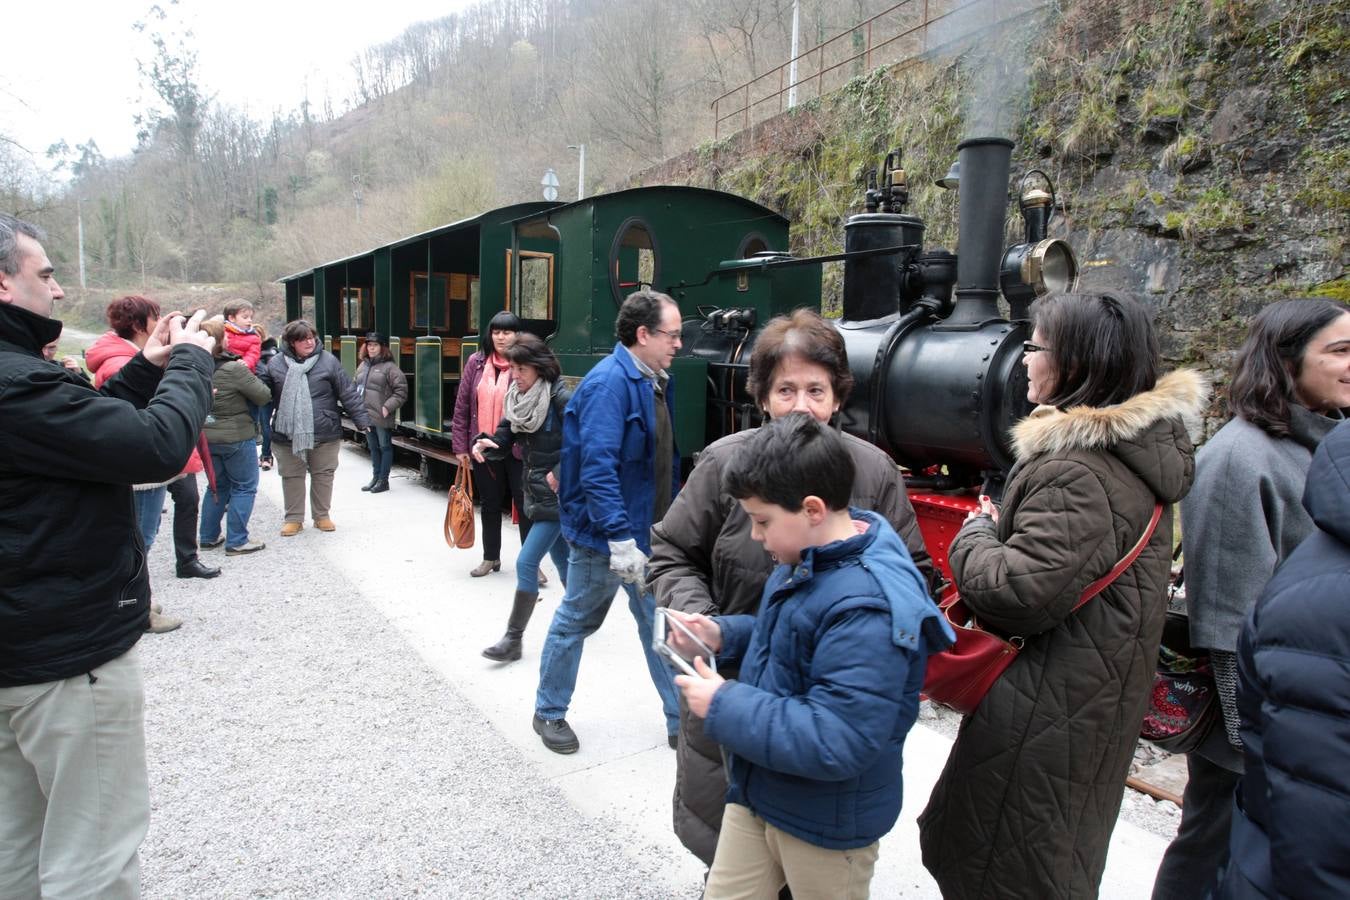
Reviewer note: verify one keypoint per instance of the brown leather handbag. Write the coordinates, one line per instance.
(459, 511)
(961, 675)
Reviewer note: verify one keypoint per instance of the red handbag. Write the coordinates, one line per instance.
(961, 675)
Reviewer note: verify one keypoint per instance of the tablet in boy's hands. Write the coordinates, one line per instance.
(662, 627)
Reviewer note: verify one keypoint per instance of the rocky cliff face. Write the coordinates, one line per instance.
(1201, 151)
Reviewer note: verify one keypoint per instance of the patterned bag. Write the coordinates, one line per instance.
(1184, 704)
(459, 511)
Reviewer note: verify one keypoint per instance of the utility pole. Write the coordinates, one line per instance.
(79, 232)
(581, 170)
(792, 67)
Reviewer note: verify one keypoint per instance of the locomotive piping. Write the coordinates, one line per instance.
(985, 166)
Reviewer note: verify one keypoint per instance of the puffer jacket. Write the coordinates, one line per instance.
(106, 357)
(328, 386)
(76, 591)
(542, 452)
(247, 345)
(384, 388)
(1028, 798)
(704, 561)
(235, 387)
(1288, 835)
(829, 687)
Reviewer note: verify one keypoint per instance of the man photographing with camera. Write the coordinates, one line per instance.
(76, 593)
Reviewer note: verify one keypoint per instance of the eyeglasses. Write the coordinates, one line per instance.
(1029, 347)
(673, 335)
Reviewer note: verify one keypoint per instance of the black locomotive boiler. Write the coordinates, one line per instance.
(934, 338)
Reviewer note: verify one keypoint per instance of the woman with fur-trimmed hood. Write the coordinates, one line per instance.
(1031, 791)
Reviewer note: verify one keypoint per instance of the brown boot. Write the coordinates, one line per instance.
(508, 648)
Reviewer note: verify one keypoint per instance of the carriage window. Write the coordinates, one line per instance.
(536, 285)
(430, 301)
(353, 310)
(308, 308)
(633, 261)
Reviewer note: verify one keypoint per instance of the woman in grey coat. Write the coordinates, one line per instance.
(1291, 386)
(308, 384)
(384, 388)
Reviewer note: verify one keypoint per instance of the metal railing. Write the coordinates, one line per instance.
(899, 34)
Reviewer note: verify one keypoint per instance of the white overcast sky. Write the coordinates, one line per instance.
(69, 66)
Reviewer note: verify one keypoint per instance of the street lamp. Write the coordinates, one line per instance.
(581, 170)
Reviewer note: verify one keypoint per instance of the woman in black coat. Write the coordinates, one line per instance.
(1289, 837)
(533, 419)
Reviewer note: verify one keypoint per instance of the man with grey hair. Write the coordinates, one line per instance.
(75, 596)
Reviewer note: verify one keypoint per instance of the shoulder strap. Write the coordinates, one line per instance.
(1101, 583)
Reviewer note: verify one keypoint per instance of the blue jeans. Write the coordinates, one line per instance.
(545, 537)
(262, 415)
(381, 444)
(236, 466)
(590, 591)
(149, 509)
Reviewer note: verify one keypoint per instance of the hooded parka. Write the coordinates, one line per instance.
(704, 561)
(1027, 801)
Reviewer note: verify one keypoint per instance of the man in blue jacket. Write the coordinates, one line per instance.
(618, 474)
(75, 596)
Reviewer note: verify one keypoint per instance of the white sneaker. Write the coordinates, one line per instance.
(246, 547)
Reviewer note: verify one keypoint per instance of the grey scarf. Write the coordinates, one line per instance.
(527, 411)
(295, 410)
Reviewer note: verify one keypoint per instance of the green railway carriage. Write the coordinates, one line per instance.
(672, 238)
(428, 292)
(564, 269)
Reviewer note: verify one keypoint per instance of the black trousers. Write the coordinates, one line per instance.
(1200, 849)
(186, 504)
(499, 483)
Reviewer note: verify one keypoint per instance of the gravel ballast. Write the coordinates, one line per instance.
(299, 747)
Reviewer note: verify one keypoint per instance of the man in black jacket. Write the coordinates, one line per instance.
(75, 596)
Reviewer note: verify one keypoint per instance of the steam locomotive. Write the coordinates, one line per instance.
(935, 358)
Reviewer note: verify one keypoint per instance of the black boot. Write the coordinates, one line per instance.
(374, 480)
(380, 486)
(508, 648)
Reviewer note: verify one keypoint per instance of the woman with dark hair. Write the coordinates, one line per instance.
(532, 418)
(132, 319)
(1290, 388)
(704, 559)
(384, 388)
(308, 383)
(230, 437)
(479, 405)
(1029, 795)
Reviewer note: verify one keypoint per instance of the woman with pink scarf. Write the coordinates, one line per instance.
(479, 406)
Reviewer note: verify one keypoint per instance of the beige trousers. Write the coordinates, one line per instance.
(74, 795)
(323, 462)
(754, 860)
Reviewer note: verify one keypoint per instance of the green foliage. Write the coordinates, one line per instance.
(1336, 290)
(462, 187)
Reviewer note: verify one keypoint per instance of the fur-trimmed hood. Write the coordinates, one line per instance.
(1146, 431)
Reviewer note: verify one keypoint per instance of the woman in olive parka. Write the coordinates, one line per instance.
(1031, 791)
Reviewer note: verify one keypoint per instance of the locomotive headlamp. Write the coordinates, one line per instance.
(1041, 265)
(952, 180)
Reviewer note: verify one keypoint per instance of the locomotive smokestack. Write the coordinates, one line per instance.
(985, 165)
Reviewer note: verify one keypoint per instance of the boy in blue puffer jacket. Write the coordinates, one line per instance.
(830, 675)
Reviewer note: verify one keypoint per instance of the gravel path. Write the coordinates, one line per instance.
(299, 747)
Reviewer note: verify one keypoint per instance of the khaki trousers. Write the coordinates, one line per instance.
(323, 462)
(74, 795)
(754, 860)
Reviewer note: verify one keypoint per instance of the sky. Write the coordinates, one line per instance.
(70, 65)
